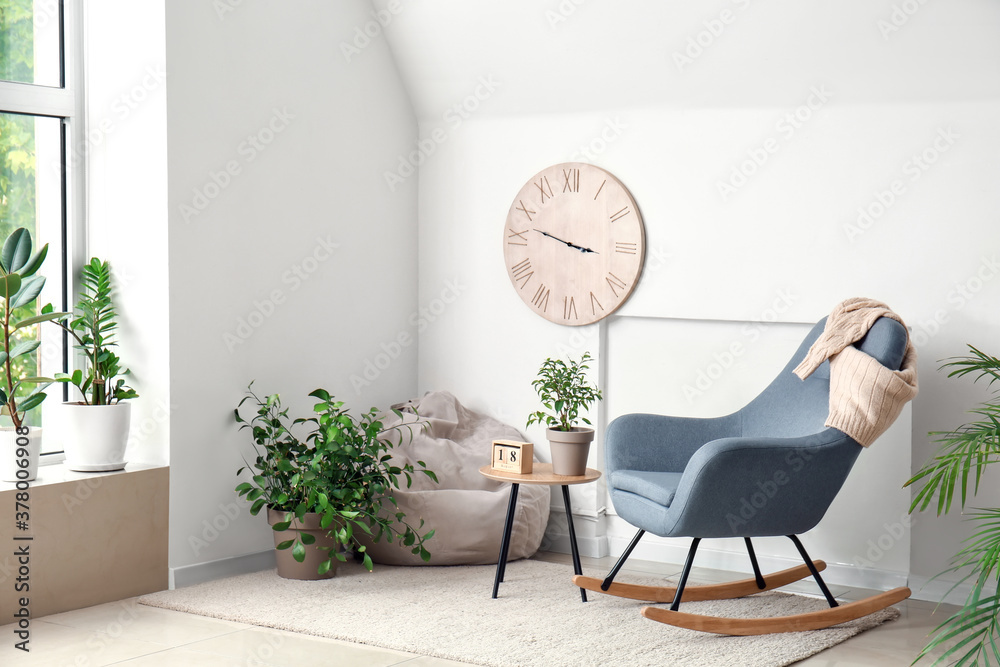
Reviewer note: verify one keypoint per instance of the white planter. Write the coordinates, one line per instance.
(19, 454)
(94, 436)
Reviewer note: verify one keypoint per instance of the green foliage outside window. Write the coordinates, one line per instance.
(17, 152)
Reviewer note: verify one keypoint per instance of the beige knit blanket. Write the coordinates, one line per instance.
(865, 396)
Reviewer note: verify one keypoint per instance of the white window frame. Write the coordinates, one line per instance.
(67, 103)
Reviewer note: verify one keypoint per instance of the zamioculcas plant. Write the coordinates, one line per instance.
(19, 287)
(94, 330)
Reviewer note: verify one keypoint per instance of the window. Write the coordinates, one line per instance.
(42, 160)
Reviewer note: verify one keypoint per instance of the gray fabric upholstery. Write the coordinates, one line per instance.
(659, 487)
(771, 468)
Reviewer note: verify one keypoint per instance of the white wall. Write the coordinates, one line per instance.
(874, 90)
(296, 266)
(125, 148)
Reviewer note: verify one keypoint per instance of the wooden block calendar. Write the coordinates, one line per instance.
(512, 456)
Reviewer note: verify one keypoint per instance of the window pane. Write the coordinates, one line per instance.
(31, 197)
(30, 41)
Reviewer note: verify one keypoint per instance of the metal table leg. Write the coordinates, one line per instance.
(572, 538)
(505, 540)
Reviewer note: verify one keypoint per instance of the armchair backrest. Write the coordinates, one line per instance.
(791, 407)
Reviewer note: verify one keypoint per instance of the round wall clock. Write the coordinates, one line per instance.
(574, 243)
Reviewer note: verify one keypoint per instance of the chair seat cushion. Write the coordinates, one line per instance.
(659, 487)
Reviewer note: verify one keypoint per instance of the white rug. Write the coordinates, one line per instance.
(538, 618)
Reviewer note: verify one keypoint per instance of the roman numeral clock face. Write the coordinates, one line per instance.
(574, 243)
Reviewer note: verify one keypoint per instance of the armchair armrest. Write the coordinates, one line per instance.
(736, 487)
(659, 443)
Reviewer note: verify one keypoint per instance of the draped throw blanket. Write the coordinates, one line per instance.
(865, 396)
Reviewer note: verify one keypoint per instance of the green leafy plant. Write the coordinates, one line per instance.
(564, 391)
(971, 634)
(20, 285)
(94, 329)
(342, 470)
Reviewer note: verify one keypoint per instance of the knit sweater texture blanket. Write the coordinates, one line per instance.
(865, 396)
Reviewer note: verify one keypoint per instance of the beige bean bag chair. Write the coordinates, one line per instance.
(466, 510)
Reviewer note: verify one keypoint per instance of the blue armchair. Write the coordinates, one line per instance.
(770, 469)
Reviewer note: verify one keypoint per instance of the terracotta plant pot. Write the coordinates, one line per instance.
(569, 450)
(95, 436)
(19, 454)
(288, 567)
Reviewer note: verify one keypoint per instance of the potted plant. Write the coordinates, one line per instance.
(20, 285)
(321, 490)
(564, 392)
(971, 634)
(95, 429)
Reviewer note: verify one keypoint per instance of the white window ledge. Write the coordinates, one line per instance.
(58, 473)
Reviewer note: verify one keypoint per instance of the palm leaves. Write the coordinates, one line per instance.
(94, 330)
(975, 628)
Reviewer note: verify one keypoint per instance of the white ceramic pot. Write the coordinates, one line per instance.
(19, 454)
(95, 436)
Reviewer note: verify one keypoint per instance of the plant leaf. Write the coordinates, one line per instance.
(16, 250)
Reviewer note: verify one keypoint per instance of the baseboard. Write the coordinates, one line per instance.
(218, 569)
(835, 573)
(939, 590)
(591, 547)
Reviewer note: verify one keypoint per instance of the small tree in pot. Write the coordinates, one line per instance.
(562, 386)
(320, 490)
(95, 430)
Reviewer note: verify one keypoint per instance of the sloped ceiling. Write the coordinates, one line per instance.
(584, 55)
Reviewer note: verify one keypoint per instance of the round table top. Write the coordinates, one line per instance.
(541, 473)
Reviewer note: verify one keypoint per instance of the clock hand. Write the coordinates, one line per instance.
(571, 245)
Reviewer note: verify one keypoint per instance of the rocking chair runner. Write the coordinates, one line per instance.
(769, 469)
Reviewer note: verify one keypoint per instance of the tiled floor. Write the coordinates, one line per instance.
(127, 633)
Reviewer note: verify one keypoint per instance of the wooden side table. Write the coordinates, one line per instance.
(541, 474)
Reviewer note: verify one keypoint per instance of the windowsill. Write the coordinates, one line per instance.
(58, 473)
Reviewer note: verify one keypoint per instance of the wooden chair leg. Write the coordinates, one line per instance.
(816, 620)
(725, 591)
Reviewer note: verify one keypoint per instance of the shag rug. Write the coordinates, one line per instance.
(538, 618)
